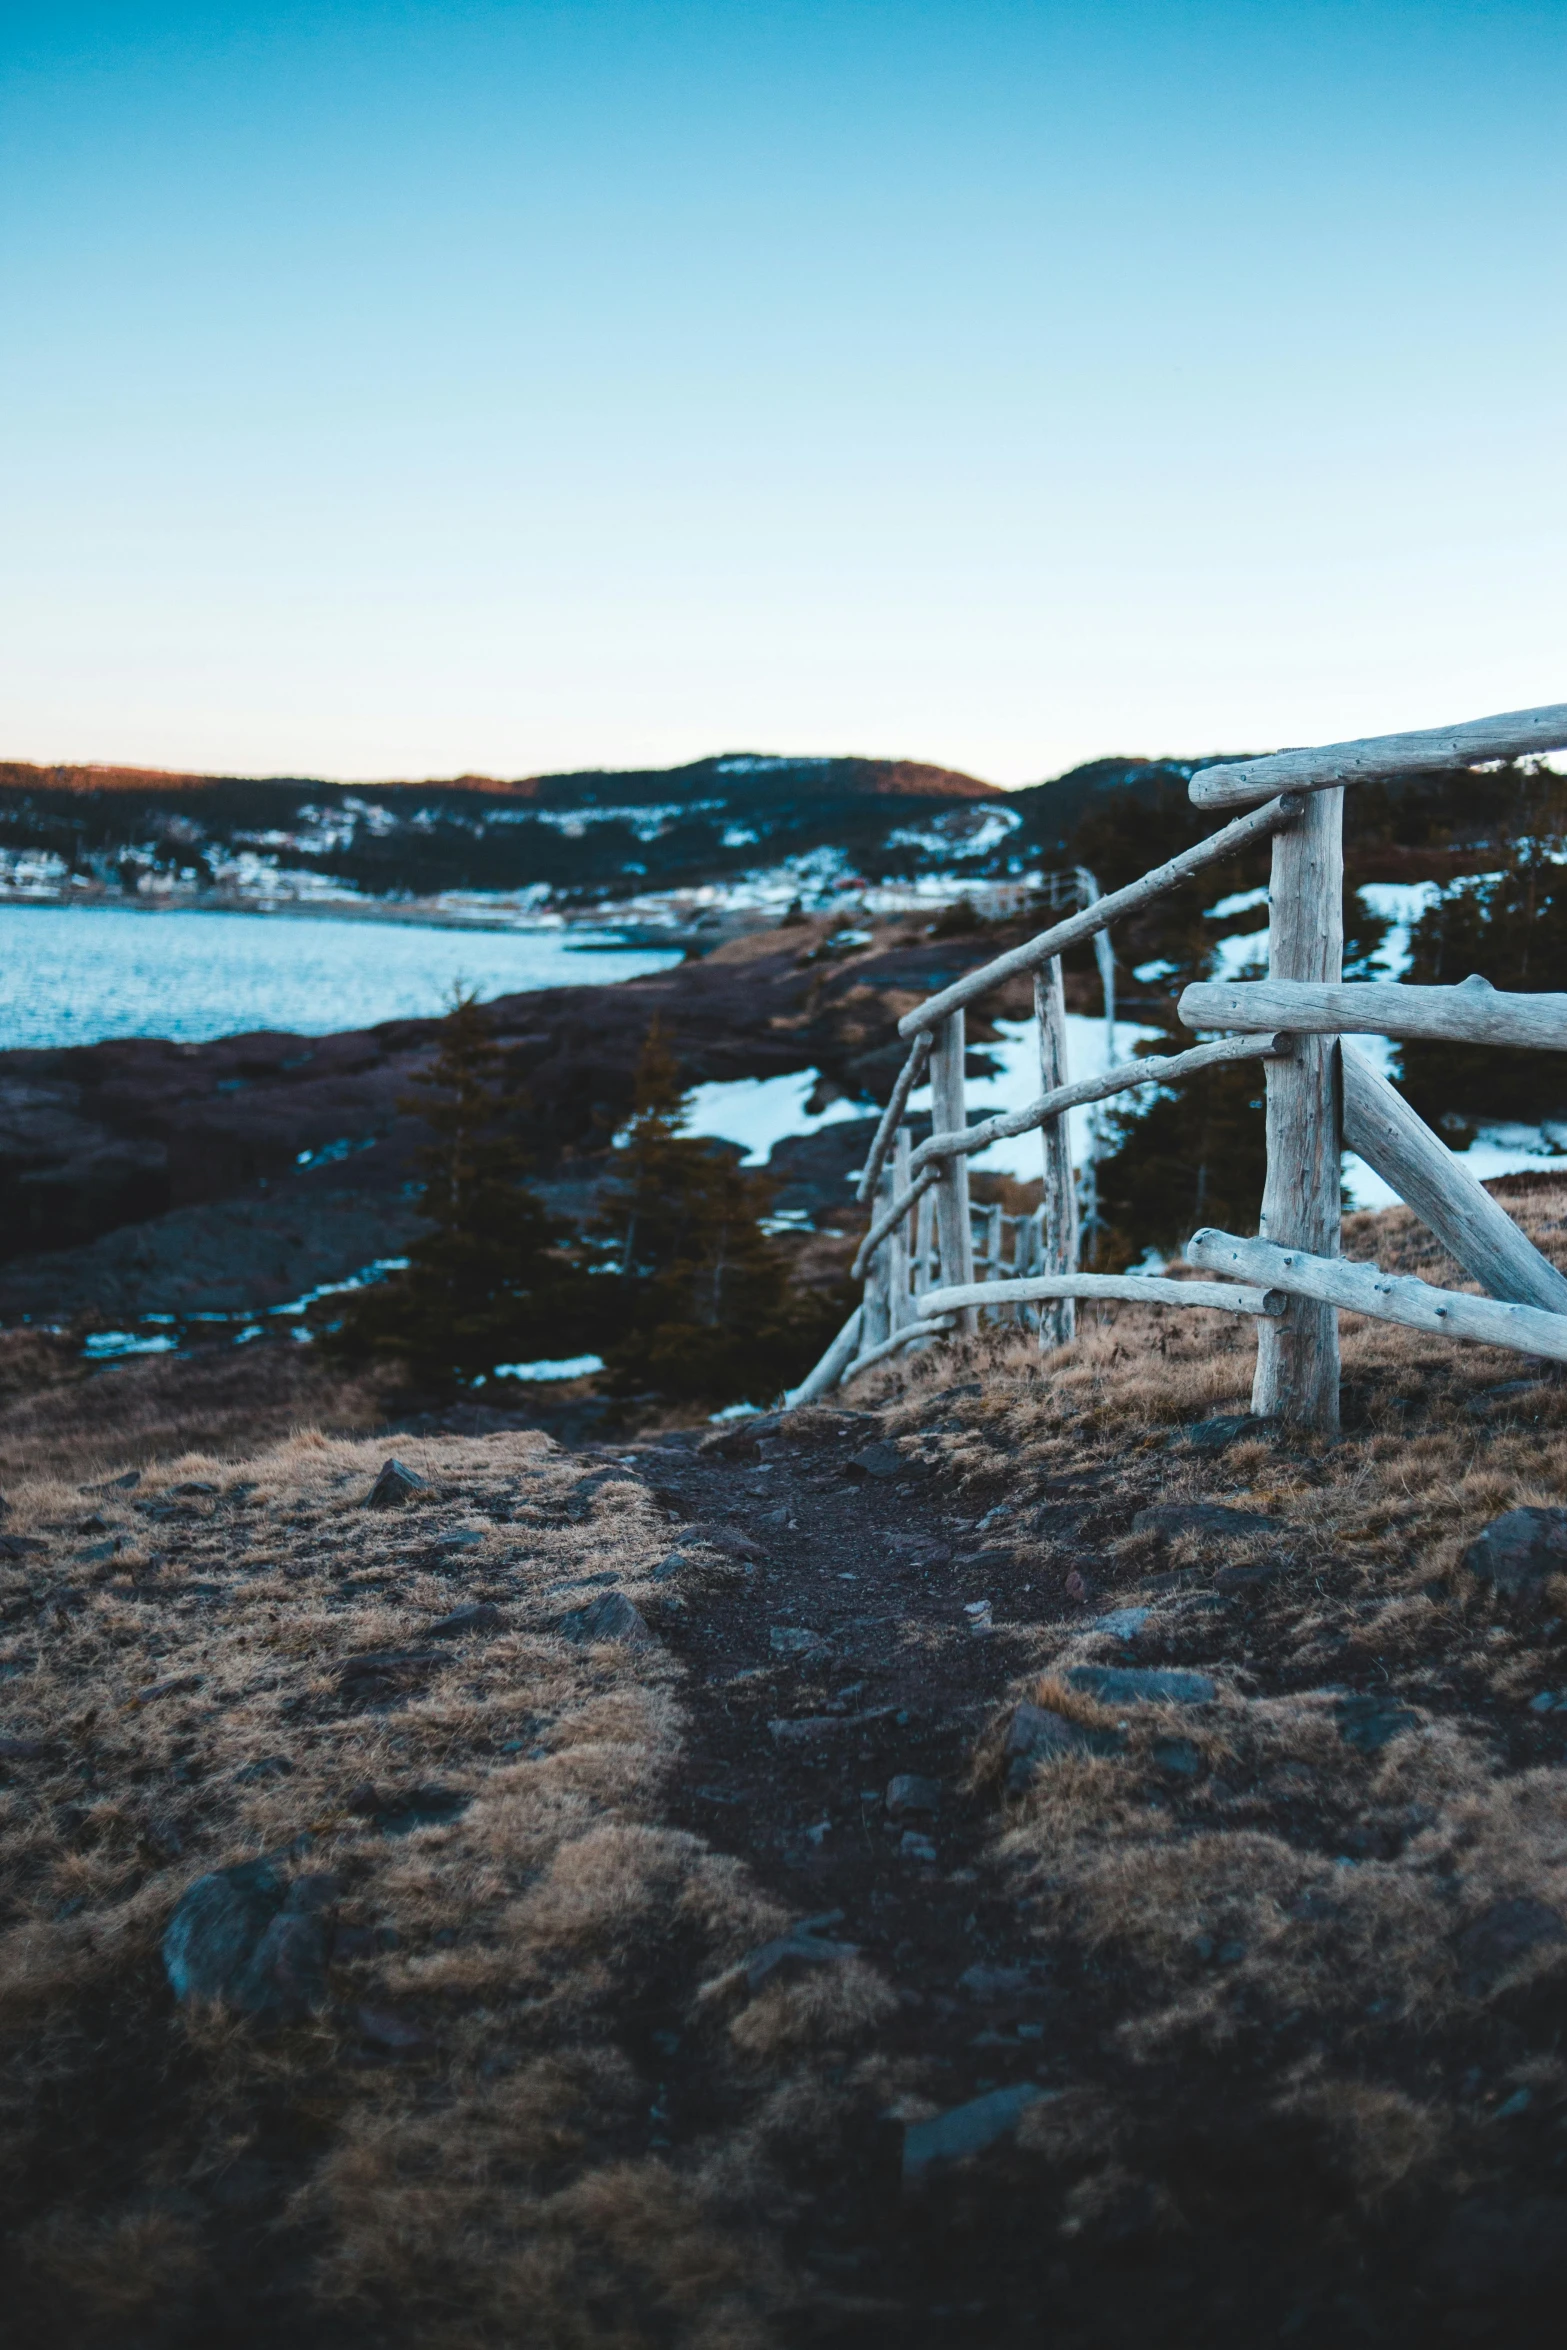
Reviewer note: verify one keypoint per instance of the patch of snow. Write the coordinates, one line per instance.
(1402, 903)
(759, 1111)
(1149, 974)
(1240, 958)
(552, 1367)
(1242, 902)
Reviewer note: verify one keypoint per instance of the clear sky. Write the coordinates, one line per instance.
(399, 387)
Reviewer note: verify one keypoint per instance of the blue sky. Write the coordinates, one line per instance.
(400, 389)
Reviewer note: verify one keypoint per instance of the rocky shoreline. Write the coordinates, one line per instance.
(141, 1175)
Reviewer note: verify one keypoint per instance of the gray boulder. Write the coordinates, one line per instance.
(395, 1485)
(611, 1618)
(1519, 1551)
(964, 2130)
(248, 1940)
(1038, 1735)
(1143, 1685)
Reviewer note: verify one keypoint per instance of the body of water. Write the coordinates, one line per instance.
(77, 974)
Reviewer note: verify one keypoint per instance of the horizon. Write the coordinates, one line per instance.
(416, 384)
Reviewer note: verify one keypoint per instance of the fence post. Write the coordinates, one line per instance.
(1297, 1352)
(948, 1116)
(924, 1243)
(902, 1299)
(1057, 1320)
(877, 1324)
(993, 1265)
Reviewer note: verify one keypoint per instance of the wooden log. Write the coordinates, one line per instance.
(1028, 1256)
(907, 1336)
(1158, 1069)
(925, 1180)
(1070, 933)
(1473, 1013)
(1057, 1320)
(899, 1238)
(1131, 1289)
(1514, 734)
(946, 1111)
(923, 1271)
(876, 1323)
(1386, 1297)
(1475, 1229)
(1297, 1377)
(891, 1118)
(831, 1367)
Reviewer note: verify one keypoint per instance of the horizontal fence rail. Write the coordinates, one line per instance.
(1513, 734)
(921, 1254)
(1134, 1289)
(1387, 1297)
(1474, 1012)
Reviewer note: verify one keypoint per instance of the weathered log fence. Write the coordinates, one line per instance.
(927, 1243)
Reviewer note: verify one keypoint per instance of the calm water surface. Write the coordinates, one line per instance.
(78, 974)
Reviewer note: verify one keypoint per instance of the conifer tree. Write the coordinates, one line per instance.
(698, 1305)
(492, 1281)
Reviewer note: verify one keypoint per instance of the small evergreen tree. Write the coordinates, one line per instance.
(697, 1300)
(492, 1281)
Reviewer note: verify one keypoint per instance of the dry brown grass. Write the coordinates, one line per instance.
(501, 2176)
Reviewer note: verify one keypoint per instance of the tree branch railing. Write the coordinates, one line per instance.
(919, 1256)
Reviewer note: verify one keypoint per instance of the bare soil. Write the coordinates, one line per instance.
(1283, 1968)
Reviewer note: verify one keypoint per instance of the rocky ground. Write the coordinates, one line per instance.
(1018, 1854)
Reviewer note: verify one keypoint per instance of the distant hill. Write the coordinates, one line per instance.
(585, 836)
(815, 826)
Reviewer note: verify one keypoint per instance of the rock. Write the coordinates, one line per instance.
(793, 1640)
(1177, 1757)
(964, 2130)
(1039, 1730)
(246, 1939)
(195, 1485)
(396, 1484)
(1037, 1735)
(980, 1620)
(482, 1616)
(1211, 1437)
(994, 1982)
(1211, 1518)
(1506, 1393)
(1143, 1685)
(801, 1947)
(93, 1554)
(1122, 1623)
(267, 1766)
(1497, 2251)
(21, 1546)
(1520, 1550)
(910, 1793)
(611, 1618)
(19, 1750)
(1370, 1722)
(385, 1664)
(671, 1566)
(880, 1460)
(733, 1541)
(1493, 1944)
(1247, 1578)
(916, 1847)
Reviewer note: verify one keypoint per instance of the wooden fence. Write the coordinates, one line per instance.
(927, 1244)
